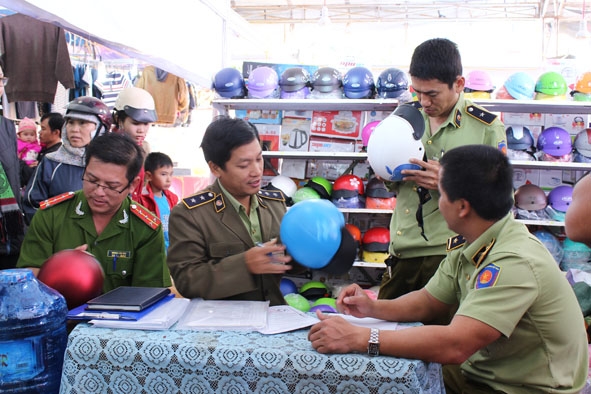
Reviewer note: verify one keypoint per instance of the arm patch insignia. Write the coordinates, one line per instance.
(488, 276)
(50, 202)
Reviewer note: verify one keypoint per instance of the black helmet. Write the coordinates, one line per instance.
(327, 80)
(294, 79)
(391, 83)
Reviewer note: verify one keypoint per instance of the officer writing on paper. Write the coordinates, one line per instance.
(224, 239)
(518, 327)
(102, 219)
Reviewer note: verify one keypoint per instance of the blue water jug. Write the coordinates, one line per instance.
(33, 335)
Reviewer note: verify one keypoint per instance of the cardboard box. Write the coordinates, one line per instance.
(329, 169)
(522, 176)
(295, 134)
(523, 119)
(573, 123)
(259, 116)
(269, 135)
(340, 124)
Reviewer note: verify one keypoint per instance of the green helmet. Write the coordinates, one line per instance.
(322, 186)
(305, 193)
(551, 83)
(326, 301)
(297, 301)
(314, 290)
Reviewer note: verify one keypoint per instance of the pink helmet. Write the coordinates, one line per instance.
(367, 130)
(478, 80)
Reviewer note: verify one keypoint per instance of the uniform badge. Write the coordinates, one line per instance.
(502, 146)
(458, 118)
(455, 242)
(488, 276)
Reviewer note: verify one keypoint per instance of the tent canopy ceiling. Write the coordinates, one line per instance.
(185, 37)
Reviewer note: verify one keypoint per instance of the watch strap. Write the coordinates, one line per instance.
(373, 345)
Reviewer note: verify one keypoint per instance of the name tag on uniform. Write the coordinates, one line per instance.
(119, 254)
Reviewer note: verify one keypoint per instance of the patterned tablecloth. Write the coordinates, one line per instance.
(102, 360)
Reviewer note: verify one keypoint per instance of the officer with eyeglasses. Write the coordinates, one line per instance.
(102, 219)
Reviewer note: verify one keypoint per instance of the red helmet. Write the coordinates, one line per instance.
(87, 105)
(355, 232)
(376, 239)
(347, 186)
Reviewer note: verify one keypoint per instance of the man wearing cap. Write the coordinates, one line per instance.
(61, 171)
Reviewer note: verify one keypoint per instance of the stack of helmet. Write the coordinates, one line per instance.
(295, 83)
(582, 89)
(576, 255)
(519, 86)
(286, 185)
(393, 83)
(327, 83)
(559, 199)
(554, 144)
(478, 85)
(530, 202)
(375, 244)
(263, 83)
(520, 143)
(358, 83)
(551, 243)
(582, 147)
(321, 186)
(377, 195)
(551, 86)
(348, 192)
(228, 83)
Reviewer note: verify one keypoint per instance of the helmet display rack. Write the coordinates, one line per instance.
(227, 106)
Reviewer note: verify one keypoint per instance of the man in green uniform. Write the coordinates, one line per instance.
(102, 220)
(417, 231)
(518, 326)
(223, 240)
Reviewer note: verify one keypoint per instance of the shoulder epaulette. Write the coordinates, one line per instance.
(199, 199)
(455, 242)
(274, 195)
(481, 114)
(145, 216)
(50, 202)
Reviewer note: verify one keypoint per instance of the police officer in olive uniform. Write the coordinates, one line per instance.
(101, 218)
(224, 240)
(418, 232)
(518, 327)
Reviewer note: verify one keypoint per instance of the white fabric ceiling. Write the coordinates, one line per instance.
(184, 37)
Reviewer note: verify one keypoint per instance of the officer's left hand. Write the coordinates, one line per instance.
(269, 258)
(336, 335)
(428, 177)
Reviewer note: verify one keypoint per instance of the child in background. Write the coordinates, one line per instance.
(155, 195)
(28, 146)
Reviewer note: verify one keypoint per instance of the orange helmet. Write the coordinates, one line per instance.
(583, 83)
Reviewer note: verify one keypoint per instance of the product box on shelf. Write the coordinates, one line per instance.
(522, 176)
(295, 134)
(549, 179)
(329, 169)
(571, 123)
(269, 135)
(340, 124)
(259, 116)
(523, 119)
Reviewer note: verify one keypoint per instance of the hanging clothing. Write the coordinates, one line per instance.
(110, 87)
(35, 57)
(169, 92)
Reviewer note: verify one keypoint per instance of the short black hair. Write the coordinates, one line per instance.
(55, 121)
(156, 160)
(437, 58)
(119, 149)
(223, 135)
(480, 174)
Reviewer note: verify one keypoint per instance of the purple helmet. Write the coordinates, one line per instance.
(560, 197)
(263, 82)
(555, 141)
(367, 130)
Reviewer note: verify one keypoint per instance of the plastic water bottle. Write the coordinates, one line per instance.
(33, 334)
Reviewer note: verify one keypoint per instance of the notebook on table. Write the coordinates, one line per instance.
(128, 298)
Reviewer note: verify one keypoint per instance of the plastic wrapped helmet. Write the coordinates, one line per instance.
(555, 141)
(520, 86)
(582, 143)
(551, 243)
(519, 138)
(375, 244)
(138, 104)
(263, 82)
(394, 141)
(583, 83)
(560, 197)
(377, 195)
(322, 186)
(575, 252)
(305, 193)
(327, 80)
(358, 83)
(551, 83)
(581, 96)
(391, 83)
(530, 197)
(478, 81)
(81, 107)
(347, 192)
(228, 83)
(295, 83)
(367, 130)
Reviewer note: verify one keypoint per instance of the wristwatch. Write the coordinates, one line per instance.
(373, 345)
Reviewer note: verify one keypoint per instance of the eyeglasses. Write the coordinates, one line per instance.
(106, 189)
(4, 80)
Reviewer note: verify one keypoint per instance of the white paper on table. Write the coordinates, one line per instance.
(224, 315)
(372, 323)
(160, 318)
(284, 318)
